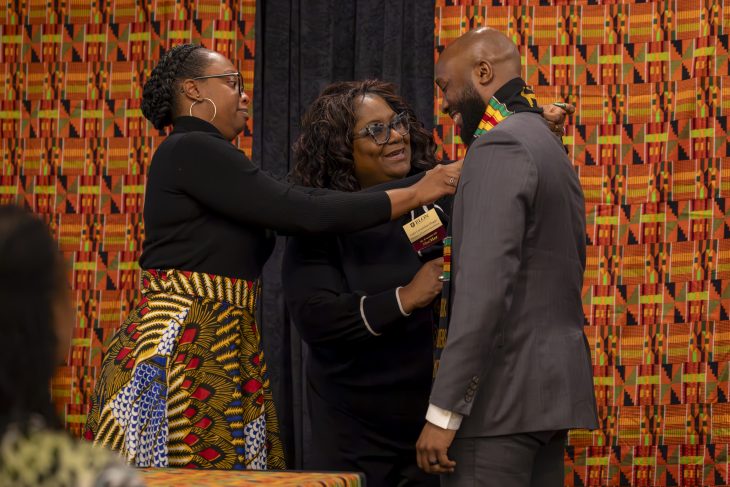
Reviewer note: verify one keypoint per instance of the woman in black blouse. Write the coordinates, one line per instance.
(184, 381)
(363, 301)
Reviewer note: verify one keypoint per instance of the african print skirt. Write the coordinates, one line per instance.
(183, 383)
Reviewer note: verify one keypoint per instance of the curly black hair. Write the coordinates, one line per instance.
(32, 276)
(323, 151)
(159, 96)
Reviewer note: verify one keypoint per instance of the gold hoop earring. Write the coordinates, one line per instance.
(215, 109)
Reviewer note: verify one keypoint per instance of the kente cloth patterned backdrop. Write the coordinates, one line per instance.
(649, 141)
(75, 147)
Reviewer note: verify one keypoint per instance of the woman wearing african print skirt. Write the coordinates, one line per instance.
(184, 381)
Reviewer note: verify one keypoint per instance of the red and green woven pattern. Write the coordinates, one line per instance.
(169, 477)
(651, 85)
(75, 147)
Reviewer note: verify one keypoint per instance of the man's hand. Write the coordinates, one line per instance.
(431, 449)
(556, 114)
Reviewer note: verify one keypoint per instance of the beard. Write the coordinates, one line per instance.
(472, 108)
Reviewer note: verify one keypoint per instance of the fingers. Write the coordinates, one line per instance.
(452, 176)
(434, 462)
(426, 459)
(422, 457)
(437, 270)
(431, 450)
(556, 128)
(448, 175)
(445, 462)
(566, 107)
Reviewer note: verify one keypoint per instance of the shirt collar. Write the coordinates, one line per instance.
(193, 124)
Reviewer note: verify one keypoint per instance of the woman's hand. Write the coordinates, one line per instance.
(438, 182)
(424, 286)
(556, 115)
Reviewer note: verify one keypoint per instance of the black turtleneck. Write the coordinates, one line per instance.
(209, 209)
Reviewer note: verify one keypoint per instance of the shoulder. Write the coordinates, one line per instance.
(522, 119)
(186, 151)
(505, 140)
(517, 128)
(522, 134)
(201, 142)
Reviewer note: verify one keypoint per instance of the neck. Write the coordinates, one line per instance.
(513, 96)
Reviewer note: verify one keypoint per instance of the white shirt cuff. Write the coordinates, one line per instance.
(442, 418)
(400, 305)
(364, 319)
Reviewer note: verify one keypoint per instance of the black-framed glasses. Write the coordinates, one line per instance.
(237, 74)
(380, 132)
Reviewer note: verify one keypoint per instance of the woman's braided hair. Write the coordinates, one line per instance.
(323, 152)
(159, 94)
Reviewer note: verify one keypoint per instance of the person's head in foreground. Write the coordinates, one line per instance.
(190, 80)
(36, 326)
(37, 318)
(358, 134)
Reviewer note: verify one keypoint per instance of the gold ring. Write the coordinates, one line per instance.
(452, 180)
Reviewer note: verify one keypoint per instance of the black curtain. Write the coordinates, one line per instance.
(301, 47)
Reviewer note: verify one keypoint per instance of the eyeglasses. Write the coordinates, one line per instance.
(239, 79)
(380, 132)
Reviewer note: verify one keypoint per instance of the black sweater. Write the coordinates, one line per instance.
(366, 358)
(208, 208)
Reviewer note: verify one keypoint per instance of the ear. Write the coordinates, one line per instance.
(483, 72)
(190, 89)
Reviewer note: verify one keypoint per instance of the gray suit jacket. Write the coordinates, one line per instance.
(516, 359)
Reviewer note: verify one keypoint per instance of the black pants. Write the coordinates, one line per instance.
(521, 460)
(341, 442)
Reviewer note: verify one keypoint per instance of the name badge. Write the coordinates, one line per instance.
(425, 230)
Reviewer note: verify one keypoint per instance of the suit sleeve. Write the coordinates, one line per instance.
(499, 181)
(322, 306)
(221, 177)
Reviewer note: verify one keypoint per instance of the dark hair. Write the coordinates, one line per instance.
(323, 151)
(160, 96)
(31, 276)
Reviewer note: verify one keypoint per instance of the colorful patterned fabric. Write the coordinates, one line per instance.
(441, 328)
(184, 381)
(168, 477)
(76, 148)
(649, 80)
(511, 98)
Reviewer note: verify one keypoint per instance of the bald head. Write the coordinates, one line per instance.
(485, 45)
(471, 70)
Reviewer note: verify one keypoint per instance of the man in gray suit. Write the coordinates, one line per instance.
(516, 371)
